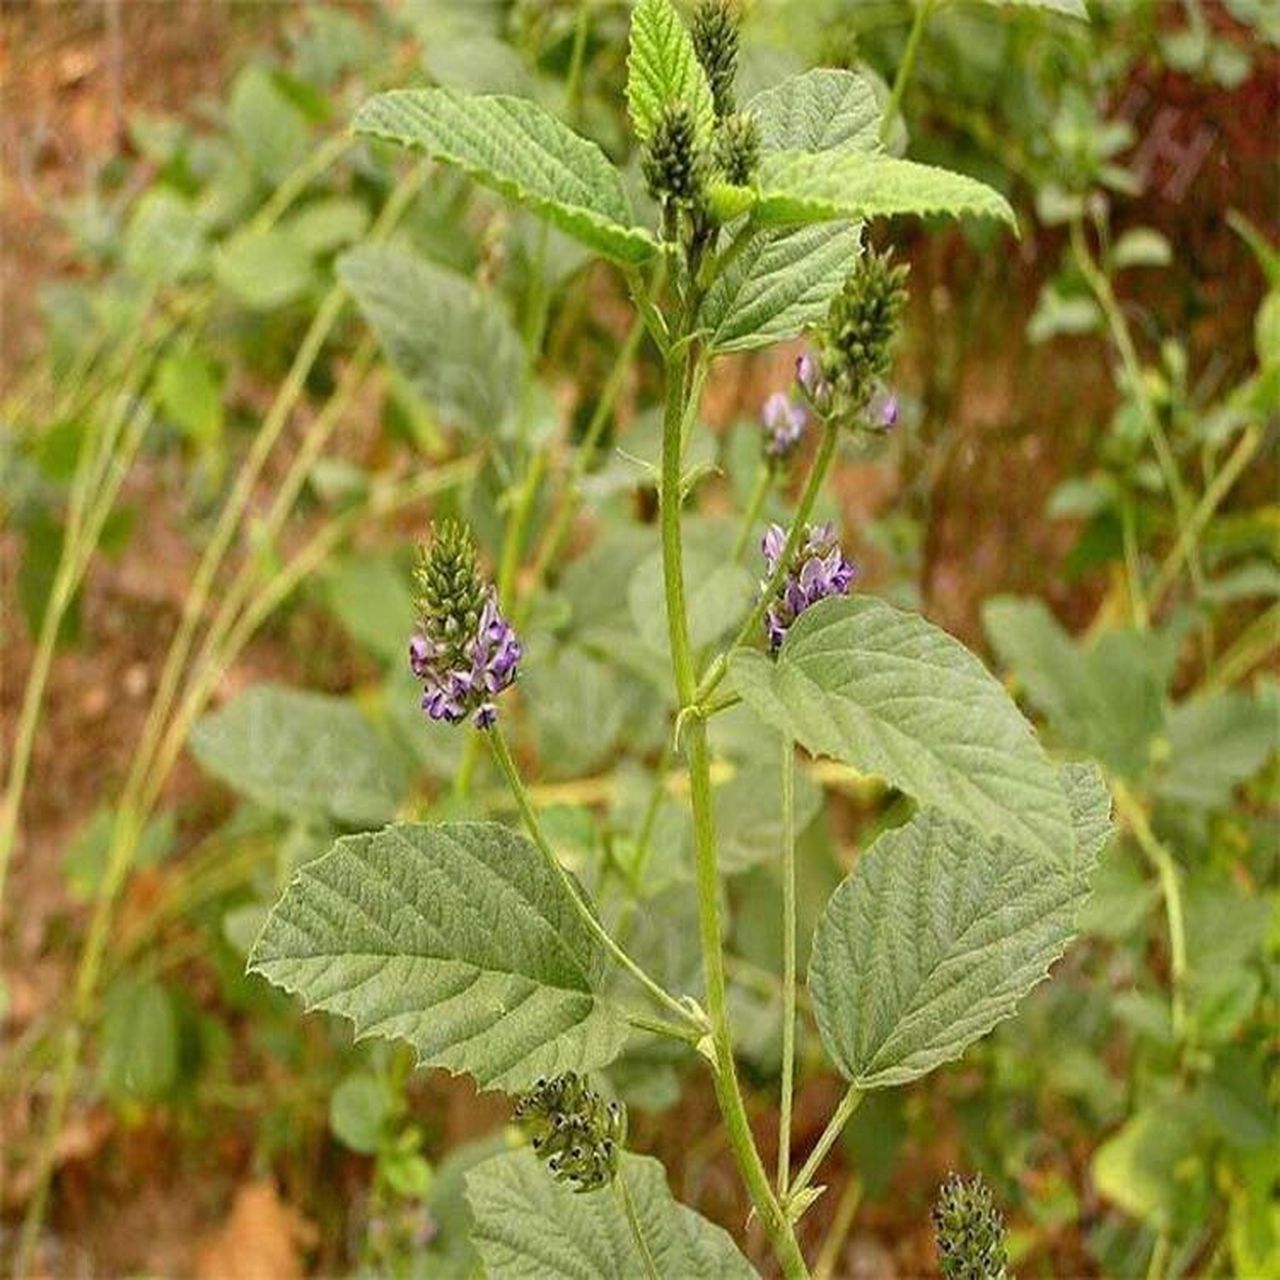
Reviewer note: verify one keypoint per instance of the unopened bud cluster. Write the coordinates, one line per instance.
(464, 652)
(856, 345)
(673, 164)
(578, 1135)
(970, 1231)
(715, 41)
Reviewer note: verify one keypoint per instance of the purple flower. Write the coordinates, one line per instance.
(882, 410)
(820, 570)
(784, 423)
(483, 667)
(813, 386)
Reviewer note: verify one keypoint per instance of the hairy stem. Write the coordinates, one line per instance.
(633, 1221)
(835, 1126)
(502, 756)
(728, 1093)
(788, 959)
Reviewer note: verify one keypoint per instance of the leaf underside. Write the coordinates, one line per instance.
(522, 151)
(456, 938)
(890, 694)
(529, 1227)
(937, 935)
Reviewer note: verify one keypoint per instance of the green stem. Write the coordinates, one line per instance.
(728, 1094)
(848, 1105)
(817, 474)
(905, 68)
(1135, 817)
(633, 1221)
(788, 959)
(502, 755)
(759, 491)
(838, 1233)
(1133, 569)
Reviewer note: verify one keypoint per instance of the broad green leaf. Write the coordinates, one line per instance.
(798, 187)
(190, 394)
(1136, 1167)
(328, 224)
(521, 150)
(358, 1112)
(748, 814)
(458, 939)
(453, 342)
(818, 111)
(1215, 743)
(268, 127)
(939, 932)
(1106, 701)
(780, 284)
(164, 240)
(890, 694)
(575, 704)
(264, 269)
(663, 69)
(370, 596)
(529, 1227)
(302, 753)
(139, 1051)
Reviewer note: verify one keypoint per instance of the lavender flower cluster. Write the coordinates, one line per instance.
(784, 423)
(820, 570)
(493, 656)
(882, 408)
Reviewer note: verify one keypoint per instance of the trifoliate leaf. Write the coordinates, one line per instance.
(458, 939)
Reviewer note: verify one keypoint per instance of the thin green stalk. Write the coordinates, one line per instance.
(1259, 640)
(788, 959)
(759, 491)
(633, 1221)
(848, 1105)
(817, 474)
(891, 109)
(838, 1233)
(1135, 817)
(503, 758)
(728, 1094)
(1132, 568)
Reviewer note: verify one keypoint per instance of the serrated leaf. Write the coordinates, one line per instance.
(797, 187)
(818, 111)
(522, 151)
(458, 939)
(453, 342)
(663, 69)
(1216, 742)
(778, 285)
(302, 753)
(529, 1227)
(937, 935)
(890, 694)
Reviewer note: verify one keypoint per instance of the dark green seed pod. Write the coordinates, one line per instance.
(672, 165)
(451, 590)
(970, 1231)
(574, 1130)
(738, 147)
(856, 341)
(715, 40)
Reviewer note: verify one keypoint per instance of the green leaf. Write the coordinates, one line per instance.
(453, 342)
(269, 129)
(663, 69)
(190, 395)
(458, 939)
(890, 694)
(264, 269)
(327, 224)
(818, 111)
(1136, 1168)
(939, 932)
(302, 753)
(798, 187)
(748, 815)
(1141, 247)
(164, 240)
(139, 1055)
(778, 285)
(522, 151)
(1216, 742)
(529, 1227)
(358, 1112)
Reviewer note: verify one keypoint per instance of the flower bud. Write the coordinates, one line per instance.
(737, 148)
(715, 40)
(861, 324)
(970, 1231)
(573, 1130)
(464, 651)
(820, 570)
(672, 164)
